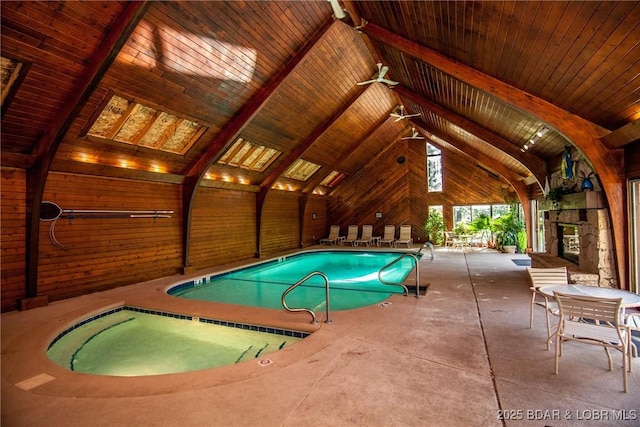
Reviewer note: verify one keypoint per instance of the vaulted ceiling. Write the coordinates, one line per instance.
(234, 94)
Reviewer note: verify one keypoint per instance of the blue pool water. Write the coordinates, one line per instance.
(353, 280)
(129, 341)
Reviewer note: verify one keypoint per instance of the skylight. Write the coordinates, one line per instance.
(301, 170)
(248, 155)
(133, 123)
(333, 179)
(9, 72)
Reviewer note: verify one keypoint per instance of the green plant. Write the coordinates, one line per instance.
(435, 227)
(462, 228)
(480, 223)
(509, 230)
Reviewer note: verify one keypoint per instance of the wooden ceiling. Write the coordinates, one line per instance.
(284, 74)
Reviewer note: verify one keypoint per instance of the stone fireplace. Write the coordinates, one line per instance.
(578, 232)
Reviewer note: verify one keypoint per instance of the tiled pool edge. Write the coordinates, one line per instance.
(245, 326)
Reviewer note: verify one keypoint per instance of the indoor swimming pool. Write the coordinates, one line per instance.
(353, 281)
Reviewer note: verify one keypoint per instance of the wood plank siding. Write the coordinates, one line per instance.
(224, 227)
(12, 234)
(103, 253)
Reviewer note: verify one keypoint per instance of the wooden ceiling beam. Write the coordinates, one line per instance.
(625, 135)
(585, 135)
(534, 164)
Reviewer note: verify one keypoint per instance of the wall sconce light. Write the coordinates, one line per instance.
(314, 216)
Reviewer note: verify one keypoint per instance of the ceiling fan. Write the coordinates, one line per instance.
(382, 71)
(415, 135)
(400, 114)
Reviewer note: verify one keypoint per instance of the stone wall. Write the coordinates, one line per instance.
(596, 249)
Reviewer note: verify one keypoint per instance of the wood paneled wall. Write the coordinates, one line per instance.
(280, 229)
(314, 229)
(12, 235)
(223, 227)
(383, 185)
(399, 190)
(103, 253)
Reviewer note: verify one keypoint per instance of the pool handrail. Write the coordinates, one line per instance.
(414, 256)
(311, 312)
(430, 248)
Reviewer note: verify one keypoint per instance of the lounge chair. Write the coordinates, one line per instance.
(405, 236)
(366, 237)
(352, 235)
(389, 235)
(333, 237)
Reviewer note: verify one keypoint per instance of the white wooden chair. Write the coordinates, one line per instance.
(594, 321)
(543, 277)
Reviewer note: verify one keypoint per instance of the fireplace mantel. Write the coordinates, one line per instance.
(582, 200)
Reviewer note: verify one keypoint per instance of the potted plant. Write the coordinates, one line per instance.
(435, 227)
(508, 229)
(481, 224)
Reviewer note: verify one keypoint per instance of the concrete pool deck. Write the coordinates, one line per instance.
(457, 356)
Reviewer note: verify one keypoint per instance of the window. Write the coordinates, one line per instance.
(434, 168)
(10, 73)
(498, 210)
(467, 214)
(133, 123)
(333, 179)
(301, 170)
(248, 155)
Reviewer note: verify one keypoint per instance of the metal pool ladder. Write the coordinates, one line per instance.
(311, 312)
(415, 259)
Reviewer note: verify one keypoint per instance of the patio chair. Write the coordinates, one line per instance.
(366, 237)
(389, 235)
(448, 239)
(352, 235)
(633, 323)
(543, 277)
(593, 321)
(405, 236)
(333, 237)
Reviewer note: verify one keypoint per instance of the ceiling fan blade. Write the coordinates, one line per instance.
(399, 118)
(366, 83)
(387, 81)
(413, 115)
(337, 9)
(383, 71)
